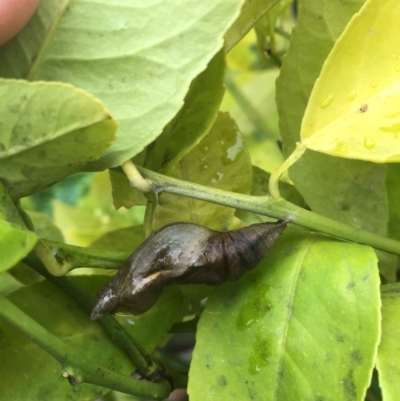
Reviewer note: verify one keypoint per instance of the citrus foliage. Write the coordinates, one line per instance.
(187, 90)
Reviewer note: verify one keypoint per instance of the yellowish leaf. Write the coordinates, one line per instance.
(354, 108)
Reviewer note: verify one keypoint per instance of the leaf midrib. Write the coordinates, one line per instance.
(288, 318)
(31, 73)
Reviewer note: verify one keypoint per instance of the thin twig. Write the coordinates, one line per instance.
(267, 206)
(75, 366)
(146, 367)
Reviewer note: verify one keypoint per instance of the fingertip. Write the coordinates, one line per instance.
(15, 14)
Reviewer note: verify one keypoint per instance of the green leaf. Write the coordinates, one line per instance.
(124, 195)
(15, 244)
(193, 121)
(8, 210)
(48, 131)
(389, 351)
(393, 194)
(220, 160)
(8, 283)
(356, 115)
(349, 191)
(138, 57)
(252, 11)
(260, 187)
(122, 240)
(15, 240)
(184, 132)
(254, 110)
(64, 318)
(388, 262)
(45, 227)
(303, 326)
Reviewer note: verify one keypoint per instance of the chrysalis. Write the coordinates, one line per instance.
(184, 253)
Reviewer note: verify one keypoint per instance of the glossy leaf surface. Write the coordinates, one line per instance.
(356, 114)
(303, 325)
(220, 160)
(349, 191)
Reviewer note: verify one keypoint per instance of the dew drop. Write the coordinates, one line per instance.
(368, 142)
(204, 166)
(204, 148)
(395, 129)
(217, 177)
(374, 84)
(327, 101)
(352, 95)
(394, 56)
(397, 68)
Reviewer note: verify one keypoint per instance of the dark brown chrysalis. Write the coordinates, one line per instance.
(184, 253)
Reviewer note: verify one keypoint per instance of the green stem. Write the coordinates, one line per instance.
(271, 34)
(282, 33)
(72, 257)
(75, 366)
(265, 48)
(134, 177)
(60, 258)
(278, 208)
(146, 367)
(276, 175)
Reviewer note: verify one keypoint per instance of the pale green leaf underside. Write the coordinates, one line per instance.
(252, 11)
(303, 326)
(64, 318)
(138, 57)
(345, 190)
(193, 121)
(388, 364)
(47, 132)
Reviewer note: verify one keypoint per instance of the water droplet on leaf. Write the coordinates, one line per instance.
(352, 95)
(395, 128)
(204, 148)
(327, 101)
(368, 142)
